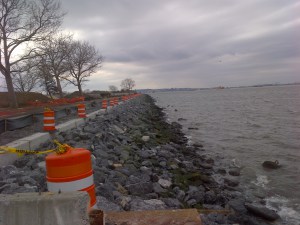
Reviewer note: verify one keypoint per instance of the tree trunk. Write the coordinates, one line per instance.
(59, 87)
(79, 88)
(13, 103)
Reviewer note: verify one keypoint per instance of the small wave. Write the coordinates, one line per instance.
(241, 137)
(189, 140)
(261, 181)
(235, 163)
(281, 205)
(292, 111)
(255, 125)
(266, 136)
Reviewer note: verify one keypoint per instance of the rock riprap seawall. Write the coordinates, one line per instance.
(141, 162)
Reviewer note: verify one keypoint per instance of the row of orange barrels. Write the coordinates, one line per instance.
(49, 115)
(72, 171)
(54, 102)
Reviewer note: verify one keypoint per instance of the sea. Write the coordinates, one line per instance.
(245, 127)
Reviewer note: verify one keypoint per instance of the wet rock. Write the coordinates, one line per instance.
(262, 212)
(195, 193)
(118, 129)
(165, 154)
(158, 189)
(163, 164)
(105, 190)
(147, 163)
(15, 188)
(8, 171)
(182, 119)
(106, 205)
(217, 218)
(146, 138)
(238, 205)
(221, 171)
(210, 197)
(140, 188)
(271, 164)
(172, 203)
(165, 183)
(21, 162)
(152, 204)
(26, 180)
(234, 172)
(232, 182)
(205, 165)
(180, 195)
(193, 128)
(191, 202)
(173, 166)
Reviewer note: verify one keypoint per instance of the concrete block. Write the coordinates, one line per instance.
(79, 122)
(67, 208)
(93, 114)
(37, 139)
(66, 126)
(102, 111)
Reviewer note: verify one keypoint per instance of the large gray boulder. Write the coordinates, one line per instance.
(262, 212)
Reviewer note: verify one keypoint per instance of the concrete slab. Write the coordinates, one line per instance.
(66, 126)
(93, 114)
(157, 217)
(37, 139)
(69, 208)
(79, 122)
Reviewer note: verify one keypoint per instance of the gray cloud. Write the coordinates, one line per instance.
(192, 43)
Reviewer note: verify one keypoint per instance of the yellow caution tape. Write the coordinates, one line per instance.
(61, 149)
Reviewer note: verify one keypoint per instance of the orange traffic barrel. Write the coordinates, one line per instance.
(116, 101)
(104, 104)
(112, 102)
(71, 171)
(49, 120)
(81, 111)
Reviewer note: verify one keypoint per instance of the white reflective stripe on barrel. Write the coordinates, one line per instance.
(48, 118)
(71, 185)
(49, 124)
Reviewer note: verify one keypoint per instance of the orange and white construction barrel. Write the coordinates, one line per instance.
(49, 120)
(71, 171)
(81, 110)
(111, 102)
(104, 104)
(116, 101)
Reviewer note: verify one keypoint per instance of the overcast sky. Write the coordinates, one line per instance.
(190, 43)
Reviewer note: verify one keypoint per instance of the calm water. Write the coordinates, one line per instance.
(247, 126)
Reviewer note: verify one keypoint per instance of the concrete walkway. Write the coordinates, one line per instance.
(34, 141)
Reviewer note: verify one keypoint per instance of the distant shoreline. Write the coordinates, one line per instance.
(196, 89)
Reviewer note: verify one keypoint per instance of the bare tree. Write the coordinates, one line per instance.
(83, 61)
(24, 78)
(23, 23)
(54, 53)
(112, 88)
(127, 84)
(45, 78)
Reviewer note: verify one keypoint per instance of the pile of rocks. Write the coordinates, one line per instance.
(141, 162)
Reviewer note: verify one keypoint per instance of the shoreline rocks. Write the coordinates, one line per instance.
(141, 162)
